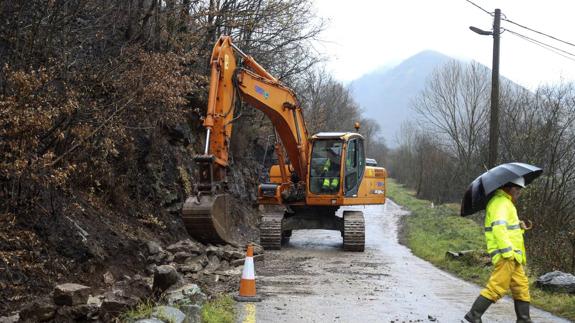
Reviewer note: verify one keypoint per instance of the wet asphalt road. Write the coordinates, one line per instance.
(312, 280)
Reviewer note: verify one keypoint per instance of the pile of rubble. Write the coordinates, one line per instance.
(179, 275)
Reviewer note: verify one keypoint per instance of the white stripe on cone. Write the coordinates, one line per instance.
(248, 272)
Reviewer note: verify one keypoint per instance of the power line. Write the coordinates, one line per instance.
(520, 25)
(487, 12)
(539, 32)
(540, 42)
(550, 48)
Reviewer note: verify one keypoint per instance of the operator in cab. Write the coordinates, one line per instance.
(330, 171)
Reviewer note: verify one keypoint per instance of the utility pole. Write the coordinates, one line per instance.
(494, 115)
(494, 122)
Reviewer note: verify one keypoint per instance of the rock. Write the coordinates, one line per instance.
(233, 272)
(213, 250)
(164, 277)
(159, 258)
(169, 259)
(95, 300)
(187, 246)
(233, 254)
(11, 319)
(108, 278)
(153, 247)
(193, 313)
(152, 320)
(457, 254)
(169, 314)
(71, 294)
(195, 264)
(224, 265)
(471, 257)
(75, 313)
(151, 268)
(116, 303)
(38, 311)
(191, 268)
(557, 281)
(185, 295)
(138, 287)
(202, 260)
(180, 257)
(213, 264)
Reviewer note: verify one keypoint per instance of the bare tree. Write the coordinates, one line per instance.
(328, 105)
(454, 106)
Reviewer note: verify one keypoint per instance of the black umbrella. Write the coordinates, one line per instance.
(478, 192)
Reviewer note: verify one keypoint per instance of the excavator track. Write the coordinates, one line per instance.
(353, 231)
(271, 231)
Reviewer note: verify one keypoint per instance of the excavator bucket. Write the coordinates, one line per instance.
(207, 218)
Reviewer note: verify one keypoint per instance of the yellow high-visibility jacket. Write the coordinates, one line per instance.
(503, 234)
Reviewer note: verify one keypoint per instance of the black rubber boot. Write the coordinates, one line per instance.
(477, 309)
(522, 311)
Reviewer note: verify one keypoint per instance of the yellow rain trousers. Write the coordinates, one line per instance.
(508, 274)
(504, 238)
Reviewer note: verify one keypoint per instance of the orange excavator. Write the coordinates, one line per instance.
(314, 177)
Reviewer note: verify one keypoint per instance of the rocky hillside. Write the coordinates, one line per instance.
(100, 115)
(83, 237)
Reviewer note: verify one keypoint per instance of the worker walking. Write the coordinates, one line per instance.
(504, 237)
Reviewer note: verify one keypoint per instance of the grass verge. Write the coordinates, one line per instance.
(219, 310)
(431, 231)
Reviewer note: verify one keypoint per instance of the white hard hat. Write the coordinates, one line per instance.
(519, 181)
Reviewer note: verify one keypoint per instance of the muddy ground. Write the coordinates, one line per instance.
(313, 280)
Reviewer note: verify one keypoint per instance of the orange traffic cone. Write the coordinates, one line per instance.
(248, 282)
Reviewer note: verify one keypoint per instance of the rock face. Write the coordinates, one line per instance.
(557, 281)
(71, 294)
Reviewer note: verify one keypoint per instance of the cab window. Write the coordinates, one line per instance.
(354, 166)
(325, 166)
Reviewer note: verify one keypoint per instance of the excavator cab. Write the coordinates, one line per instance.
(337, 164)
(325, 170)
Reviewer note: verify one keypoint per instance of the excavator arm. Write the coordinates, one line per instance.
(254, 85)
(206, 213)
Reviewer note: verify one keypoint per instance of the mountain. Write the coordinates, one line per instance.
(385, 94)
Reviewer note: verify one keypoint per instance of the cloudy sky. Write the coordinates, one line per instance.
(363, 35)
